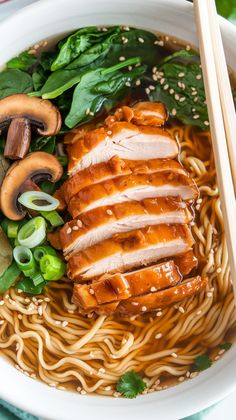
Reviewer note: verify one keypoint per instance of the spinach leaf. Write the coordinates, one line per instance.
(60, 81)
(44, 144)
(225, 346)
(99, 88)
(39, 78)
(75, 44)
(226, 8)
(27, 286)
(180, 87)
(14, 81)
(22, 62)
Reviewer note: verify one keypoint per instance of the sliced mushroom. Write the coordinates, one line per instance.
(18, 113)
(23, 176)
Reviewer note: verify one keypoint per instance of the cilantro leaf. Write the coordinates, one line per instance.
(131, 384)
(182, 90)
(202, 362)
(225, 346)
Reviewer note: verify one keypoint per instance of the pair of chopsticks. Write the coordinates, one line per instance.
(222, 117)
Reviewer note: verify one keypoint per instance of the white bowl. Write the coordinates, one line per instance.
(54, 17)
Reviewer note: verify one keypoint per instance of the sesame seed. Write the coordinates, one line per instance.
(46, 299)
(180, 84)
(109, 132)
(174, 112)
(217, 358)
(87, 111)
(166, 87)
(219, 270)
(194, 92)
(19, 316)
(70, 311)
(68, 231)
(171, 91)
(194, 374)
(206, 123)
(199, 76)
(135, 303)
(181, 309)
(109, 212)
(141, 40)
(222, 351)
(58, 322)
(147, 90)
(122, 58)
(199, 312)
(83, 392)
(188, 48)
(181, 378)
(40, 310)
(160, 43)
(162, 81)
(181, 74)
(182, 99)
(196, 117)
(104, 29)
(91, 291)
(152, 87)
(126, 28)
(91, 113)
(158, 336)
(195, 99)
(128, 84)
(64, 323)
(198, 207)
(75, 228)
(130, 68)
(116, 394)
(154, 76)
(138, 82)
(154, 69)
(144, 308)
(174, 355)
(153, 289)
(107, 388)
(79, 388)
(2, 302)
(101, 370)
(176, 96)
(209, 294)
(187, 374)
(2, 322)
(159, 313)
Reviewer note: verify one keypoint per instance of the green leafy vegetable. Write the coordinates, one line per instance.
(225, 346)
(22, 62)
(9, 277)
(99, 89)
(202, 362)
(131, 384)
(44, 144)
(27, 286)
(14, 81)
(226, 8)
(76, 43)
(181, 88)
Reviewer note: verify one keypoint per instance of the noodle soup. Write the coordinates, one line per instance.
(47, 338)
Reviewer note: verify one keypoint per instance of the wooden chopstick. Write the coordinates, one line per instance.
(226, 97)
(218, 133)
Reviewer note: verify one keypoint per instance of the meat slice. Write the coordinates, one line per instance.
(142, 113)
(186, 262)
(132, 187)
(103, 222)
(123, 139)
(78, 133)
(163, 298)
(116, 167)
(130, 250)
(122, 286)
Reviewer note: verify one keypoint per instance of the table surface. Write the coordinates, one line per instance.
(226, 408)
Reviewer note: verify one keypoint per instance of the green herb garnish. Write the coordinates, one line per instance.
(131, 384)
(225, 346)
(181, 88)
(202, 362)
(22, 62)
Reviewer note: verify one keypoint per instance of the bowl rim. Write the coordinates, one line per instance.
(203, 391)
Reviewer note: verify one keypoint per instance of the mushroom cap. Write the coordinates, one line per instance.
(41, 112)
(20, 177)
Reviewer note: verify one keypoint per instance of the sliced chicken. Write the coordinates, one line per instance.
(132, 187)
(103, 222)
(155, 301)
(130, 250)
(78, 133)
(142, 113)
(122, 286)
(116, 167)
(186, 262)
(123, 139)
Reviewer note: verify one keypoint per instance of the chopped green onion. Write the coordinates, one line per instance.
(12, 229)
(16, 242)
(42, 250)
(52, 267)
(38, 200)
(33, 233)
(9, 277)
(37, 279)
(27, 286)
(53, 217)
(25, 260)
